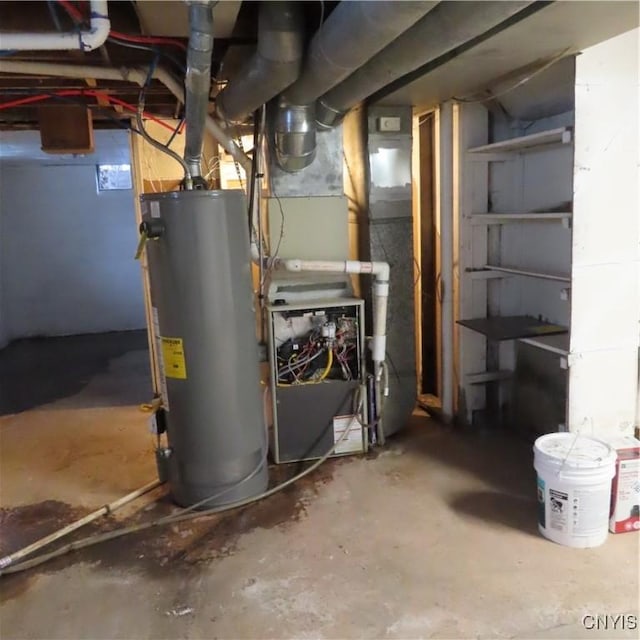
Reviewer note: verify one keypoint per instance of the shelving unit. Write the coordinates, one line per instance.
(511, 327)
(558, 136)
(507, 218)
(528, 274)
(515, 232)
(558, 344)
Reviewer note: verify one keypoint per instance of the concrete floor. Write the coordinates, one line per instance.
(433, 537)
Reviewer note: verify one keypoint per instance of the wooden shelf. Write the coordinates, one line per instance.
(511, 327)
(530, 274)
(507, 218)
(558, 344)
(562, 135)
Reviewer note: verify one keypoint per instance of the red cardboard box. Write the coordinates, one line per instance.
(625, 493)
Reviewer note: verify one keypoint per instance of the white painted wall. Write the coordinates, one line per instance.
(66, 251)
(605, 289)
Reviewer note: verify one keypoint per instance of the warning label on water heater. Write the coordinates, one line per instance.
(173, 358)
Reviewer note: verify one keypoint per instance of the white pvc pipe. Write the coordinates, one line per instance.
(83, 40)
(446, 255)
(108, 508)
(379, 270)
(135, 75)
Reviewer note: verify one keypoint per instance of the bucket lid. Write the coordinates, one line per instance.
(574, 450)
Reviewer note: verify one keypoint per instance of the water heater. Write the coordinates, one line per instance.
(201, 293)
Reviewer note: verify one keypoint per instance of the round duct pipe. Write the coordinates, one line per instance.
(294, 136)
(353, 33)
(448, 26)
(273, 67)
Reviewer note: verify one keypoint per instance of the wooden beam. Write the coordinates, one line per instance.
(103, 102)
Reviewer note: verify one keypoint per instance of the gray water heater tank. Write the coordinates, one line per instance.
(201, 292)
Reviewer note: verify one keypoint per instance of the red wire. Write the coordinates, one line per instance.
(83, 92)
(78, 17)
(71, 10)
(147, 39)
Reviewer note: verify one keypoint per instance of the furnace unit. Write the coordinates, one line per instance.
(317, 378)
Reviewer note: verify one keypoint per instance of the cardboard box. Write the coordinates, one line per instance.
(625, 493)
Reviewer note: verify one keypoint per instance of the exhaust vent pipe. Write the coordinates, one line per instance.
(274, 66)
(352, 34)
(448, 26)
(198, 84)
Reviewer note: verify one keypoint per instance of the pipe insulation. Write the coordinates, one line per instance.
(273, 67)
(352, 34)
(197, 81)
(448, 26)
(88, 40)
(135, 75)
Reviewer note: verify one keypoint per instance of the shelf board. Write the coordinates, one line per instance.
(485, 274)
(511, 327)
(488, 376)
(530, 274)
(558, 344)
(562, 135)
(506, 218)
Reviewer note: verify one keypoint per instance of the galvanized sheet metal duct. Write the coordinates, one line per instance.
(448, 26)
(274, 66)
(352, 34)
(197, 81)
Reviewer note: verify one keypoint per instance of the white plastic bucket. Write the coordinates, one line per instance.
(574, 488)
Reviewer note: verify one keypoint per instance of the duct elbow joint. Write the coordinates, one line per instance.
(294, 136)
(327, 117)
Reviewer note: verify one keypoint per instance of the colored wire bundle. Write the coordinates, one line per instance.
(77, 17)
(82, 92)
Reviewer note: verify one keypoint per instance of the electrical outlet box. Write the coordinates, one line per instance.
(387, 124)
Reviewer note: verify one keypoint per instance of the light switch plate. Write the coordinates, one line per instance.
(389, 124)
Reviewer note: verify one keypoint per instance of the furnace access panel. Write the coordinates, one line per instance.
(317, 368)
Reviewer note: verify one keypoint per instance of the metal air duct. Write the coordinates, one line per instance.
(274, 66)
(197, 83)
(448, 26)
(352, 34)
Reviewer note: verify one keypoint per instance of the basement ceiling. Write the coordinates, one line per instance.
(494, 63)
(525, 45)
(171, 18)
